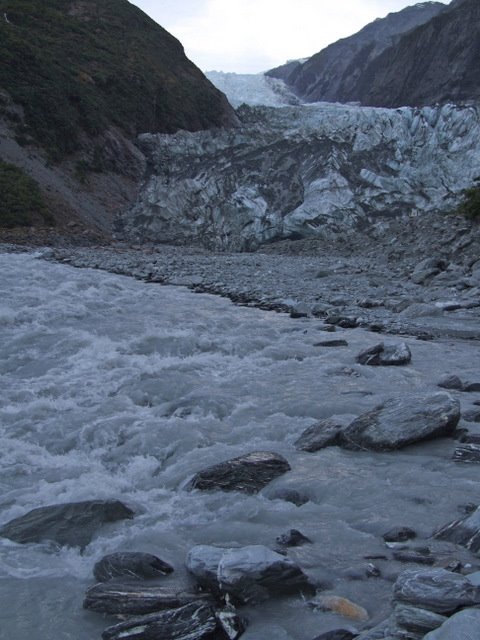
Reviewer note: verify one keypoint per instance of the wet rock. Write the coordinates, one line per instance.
(132, 565)
(194, 621)
(418, 556)
(248, 473)
(254, 573)
(399, 422)
(381, 355)
(399, 534)
(451, 382)
(331, 343)
(461, 626)
(72, 524)
(135, 598)
(472, 387)
(337, 634)
(293, 538)
(325, 433)
(249, 574)
(465, 532)
(416, 619)
(372, 571)
(437, 590)
(467, 453)
(339, 605)
(289, 495)
(344, 322)
(471, 416)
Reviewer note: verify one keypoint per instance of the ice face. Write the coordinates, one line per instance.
(113, 388)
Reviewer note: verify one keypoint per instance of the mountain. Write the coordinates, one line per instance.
(293, 172)
(333, 74)
(436, 63)
(79, 80)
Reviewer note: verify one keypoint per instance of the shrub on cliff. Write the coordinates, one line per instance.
(22, 202)
(470, 205)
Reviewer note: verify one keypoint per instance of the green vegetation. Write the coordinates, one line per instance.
(21, 202)
(78, 67)
(470, 206)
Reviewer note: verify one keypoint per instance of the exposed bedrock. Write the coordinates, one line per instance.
(303, 171)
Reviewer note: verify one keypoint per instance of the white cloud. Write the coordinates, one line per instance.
(249, 36)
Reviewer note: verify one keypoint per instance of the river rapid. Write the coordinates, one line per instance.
(115, 388)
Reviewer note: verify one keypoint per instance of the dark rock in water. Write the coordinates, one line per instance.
(254, 573)
(140, 566)
(399, 422)
(331, 343)
(463, 625)
(289, 495)
(293, 538)
(135, 598)
(417, 620)
(249, 574)
(472, 386)
(414, 555)
(337, 634)
(465, 531)
(438, 590)
(467, 453)
(248, 473)
(194, 621)
(472, 416)
(399, 534)
(342, 321)
(325, 433)
(451, 382)
(380, 355)
(72, 524)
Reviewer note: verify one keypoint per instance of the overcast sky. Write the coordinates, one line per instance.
(249, 36)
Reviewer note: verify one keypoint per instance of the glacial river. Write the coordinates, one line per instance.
(114, 388)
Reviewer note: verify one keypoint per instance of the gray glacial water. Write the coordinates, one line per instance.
(114, 388)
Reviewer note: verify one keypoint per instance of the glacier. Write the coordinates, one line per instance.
(302, 170)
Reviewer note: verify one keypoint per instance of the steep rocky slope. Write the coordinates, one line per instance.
(303, 171)
(435, 63)
(79, 81)
(333, 74)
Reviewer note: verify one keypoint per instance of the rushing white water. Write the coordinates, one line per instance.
(113, 388)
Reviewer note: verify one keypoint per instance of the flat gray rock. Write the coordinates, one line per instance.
(465, 531)
(135, 598)
(416, 619)
(464, 625)
(72, 524)
(248, 473)
(202, 562)
(383, 356)
(399, 422)
(130, 565)
(437, 590)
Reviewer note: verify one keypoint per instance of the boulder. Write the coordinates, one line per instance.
(451, 382)
(399, 422)
(399, 534)
(249, 574)
(195, 621)
(72, 524)
(427, 269)
(383, 356)
(465, 531)
(293, 538)
(325, 433)
(248, 473)
(461, 626)
(468, 452)
(416, 619)
(131, 565)
(135, 598)
(437, 590)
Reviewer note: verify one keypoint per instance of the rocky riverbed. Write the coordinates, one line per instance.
(355, 420)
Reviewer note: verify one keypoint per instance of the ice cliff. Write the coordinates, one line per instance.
(297, 171)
